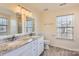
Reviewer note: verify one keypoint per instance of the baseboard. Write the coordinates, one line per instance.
(77, 50)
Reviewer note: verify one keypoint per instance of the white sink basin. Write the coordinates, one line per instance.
(30, 40)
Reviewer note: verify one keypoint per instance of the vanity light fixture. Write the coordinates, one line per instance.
(46, 9)
(62, 4)
(24, 8)
(24, 11)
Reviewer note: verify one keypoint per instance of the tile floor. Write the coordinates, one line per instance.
(55, 51)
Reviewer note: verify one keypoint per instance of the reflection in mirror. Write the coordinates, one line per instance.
(29, 25)
(19, 21)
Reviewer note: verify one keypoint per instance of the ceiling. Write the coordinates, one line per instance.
(50, 6)
(40, 7)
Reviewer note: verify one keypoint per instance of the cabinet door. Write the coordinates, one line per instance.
(40, 45)
(34, 48)
(27, 51)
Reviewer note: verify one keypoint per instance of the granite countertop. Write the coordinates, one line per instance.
(9, 46)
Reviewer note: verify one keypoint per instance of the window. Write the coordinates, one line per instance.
(29, 25)
(65, 27)
(3, 24)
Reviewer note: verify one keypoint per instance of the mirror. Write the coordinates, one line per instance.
(19, 22)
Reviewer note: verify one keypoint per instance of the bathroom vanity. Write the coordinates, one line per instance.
(24, 46)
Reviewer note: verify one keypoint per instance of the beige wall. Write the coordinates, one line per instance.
(48, 27)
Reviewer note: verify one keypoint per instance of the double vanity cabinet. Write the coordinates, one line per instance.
(34, 47)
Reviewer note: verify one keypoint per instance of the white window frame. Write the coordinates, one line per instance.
(3, 24)
(65, 27)
(29, 25)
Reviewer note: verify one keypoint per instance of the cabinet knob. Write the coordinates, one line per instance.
(33, 49)
(40, 43)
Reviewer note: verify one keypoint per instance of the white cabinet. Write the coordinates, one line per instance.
(26, 50)
(33, 48)
(40, 45)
